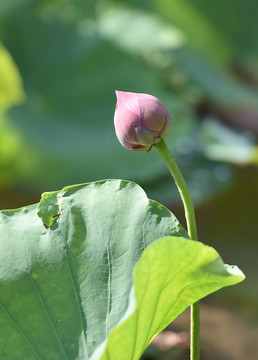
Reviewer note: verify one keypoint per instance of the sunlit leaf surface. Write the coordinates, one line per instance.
(171, 274)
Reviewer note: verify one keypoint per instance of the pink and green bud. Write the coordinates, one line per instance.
(141, 120)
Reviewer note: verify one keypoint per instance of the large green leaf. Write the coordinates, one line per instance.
(66, 270)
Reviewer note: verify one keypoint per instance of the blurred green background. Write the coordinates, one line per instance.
(60, 64)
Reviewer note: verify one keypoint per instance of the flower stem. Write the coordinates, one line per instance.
(192, 231)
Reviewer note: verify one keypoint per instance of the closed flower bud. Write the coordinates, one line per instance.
(141, 120)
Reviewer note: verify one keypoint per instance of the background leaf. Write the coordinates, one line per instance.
(64, 132)
(71, 101)
(222, 143)
(187, 55)
(11, 90)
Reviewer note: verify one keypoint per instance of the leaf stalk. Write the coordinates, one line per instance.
(192, 232)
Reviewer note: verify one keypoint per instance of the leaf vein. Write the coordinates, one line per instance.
(77, 297)
(19, 330)
(48, 318)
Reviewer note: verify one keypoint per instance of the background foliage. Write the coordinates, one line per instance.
(60, 62)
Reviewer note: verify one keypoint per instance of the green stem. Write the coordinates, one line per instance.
(192, 231)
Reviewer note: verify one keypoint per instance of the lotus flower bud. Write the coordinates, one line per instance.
(141, 120)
